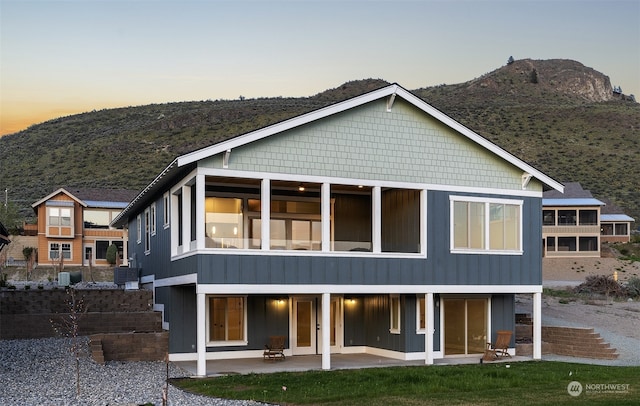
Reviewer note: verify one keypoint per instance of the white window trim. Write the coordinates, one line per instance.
(208, 319)
(398, 312)
(139, 227)
(487, 202)
(60, 243)
(166, 212)
(153, 219)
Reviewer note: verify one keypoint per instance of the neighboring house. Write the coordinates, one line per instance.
(571, 223)
(75, 224)
(375, 225)
(615, 226)
(574, 223)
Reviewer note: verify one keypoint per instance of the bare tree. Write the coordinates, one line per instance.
(68, 326)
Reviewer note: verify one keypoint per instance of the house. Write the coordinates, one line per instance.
(74, 223)
(374, 225)
(615, 226)
(575, 223)
(571, 223)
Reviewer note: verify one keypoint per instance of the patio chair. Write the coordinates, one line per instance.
(275, 349)
(499, 349)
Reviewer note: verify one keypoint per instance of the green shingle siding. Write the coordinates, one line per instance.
(401, 145)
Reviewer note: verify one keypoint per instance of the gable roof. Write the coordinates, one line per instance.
(92, 197)
(390, 92)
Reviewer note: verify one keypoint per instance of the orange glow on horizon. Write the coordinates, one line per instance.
(13, 120)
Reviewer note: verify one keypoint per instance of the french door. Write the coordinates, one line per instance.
(306, 322)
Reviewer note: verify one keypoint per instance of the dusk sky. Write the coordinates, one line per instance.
(64, 57)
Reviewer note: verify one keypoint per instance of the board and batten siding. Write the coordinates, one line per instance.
(440, 267)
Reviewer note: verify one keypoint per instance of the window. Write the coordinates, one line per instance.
(166, 213)
(566, 243)
(56, 249)
(226, 320)
(492, 225)
(566, 217)
(224, 225)
(59, 216)
(420, 314)
(606, 229)
(153, 219)
(588, 243)
(147, 231)
(622, 229)
(103, 245)
(588, 217)
(394, 310)
(139, 229)
(551, 243)
(548, 217)
(294, 225)
(101, 249)
(96, 218)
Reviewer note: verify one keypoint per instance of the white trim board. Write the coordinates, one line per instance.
(237, 289)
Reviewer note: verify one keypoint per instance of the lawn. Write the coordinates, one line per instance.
(534, 382)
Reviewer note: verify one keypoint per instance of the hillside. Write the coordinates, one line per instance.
(558, 115)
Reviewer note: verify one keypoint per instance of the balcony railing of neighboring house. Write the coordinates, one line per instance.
(571, 230)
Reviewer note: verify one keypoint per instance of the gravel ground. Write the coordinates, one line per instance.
(42, 372)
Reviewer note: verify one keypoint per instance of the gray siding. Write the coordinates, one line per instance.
(182, 311)
(441, 267)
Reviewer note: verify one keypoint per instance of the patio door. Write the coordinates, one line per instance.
(304, 337)
(307, 329)
(465, 326)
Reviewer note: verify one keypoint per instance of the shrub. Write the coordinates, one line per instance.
(633, 287)
(112, 252)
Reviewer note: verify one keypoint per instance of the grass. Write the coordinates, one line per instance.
(532, 382)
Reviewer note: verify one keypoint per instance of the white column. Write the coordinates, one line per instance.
(325, 212)
(428, 328)
(200, 215)
(537, 325)
(326, 329)
(377, 219)
(201, 337)
(265, 214)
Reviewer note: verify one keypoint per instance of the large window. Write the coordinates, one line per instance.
(227, 320)
(97, 218)
(103, 245)
(493, 225)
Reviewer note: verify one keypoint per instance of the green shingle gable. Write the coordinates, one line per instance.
(369, 142)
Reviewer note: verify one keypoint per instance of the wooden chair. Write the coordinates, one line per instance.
(499, 349)
(275, 349)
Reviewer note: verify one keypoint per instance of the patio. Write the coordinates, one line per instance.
(314, 362)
